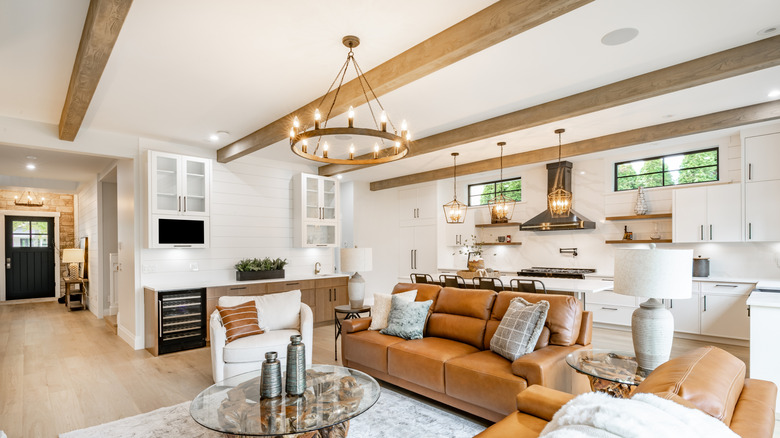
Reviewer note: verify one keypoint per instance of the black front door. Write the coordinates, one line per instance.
(29, 262)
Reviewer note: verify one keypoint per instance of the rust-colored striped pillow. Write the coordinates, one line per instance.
(240, 320)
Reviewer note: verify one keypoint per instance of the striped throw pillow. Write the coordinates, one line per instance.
(240, 320)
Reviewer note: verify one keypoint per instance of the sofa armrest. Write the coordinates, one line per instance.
(541, 366)
(586, 329)
(217, 338)
(355, 325)
(542, 402)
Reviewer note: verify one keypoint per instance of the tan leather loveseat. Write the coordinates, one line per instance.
(453, 362)
(708, 379)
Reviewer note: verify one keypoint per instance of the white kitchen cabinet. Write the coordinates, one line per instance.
(762, 156)
(417, 206)
(178, 184)
(316, 218)
(762, 208)
(611, 308)
(724, 310)
(417, 250)
(686, 311)
(456, 234)
(707, 214)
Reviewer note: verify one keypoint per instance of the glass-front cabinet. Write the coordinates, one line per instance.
(316, 211)
(179, 184)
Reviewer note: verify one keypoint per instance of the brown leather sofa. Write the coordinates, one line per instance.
(453, 362)
(708, 379)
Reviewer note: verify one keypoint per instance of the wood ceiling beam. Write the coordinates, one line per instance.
(711, 122)
(722, 65)
(498, 22)
(101, 29)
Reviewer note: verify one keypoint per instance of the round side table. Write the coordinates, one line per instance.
(617, 374)
(349, 312)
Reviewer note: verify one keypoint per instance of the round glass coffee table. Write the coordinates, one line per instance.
(333, 396)
(615, 373)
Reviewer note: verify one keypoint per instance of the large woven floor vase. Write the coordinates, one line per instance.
(652, 329)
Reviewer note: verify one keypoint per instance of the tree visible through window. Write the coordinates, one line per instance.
(668, 170)
(480, 194)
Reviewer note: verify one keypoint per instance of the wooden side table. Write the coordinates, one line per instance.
(349, 312)
(81, 293)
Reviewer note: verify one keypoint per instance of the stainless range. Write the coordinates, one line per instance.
(536, 271)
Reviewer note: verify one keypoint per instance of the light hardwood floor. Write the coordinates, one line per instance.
(61, 371)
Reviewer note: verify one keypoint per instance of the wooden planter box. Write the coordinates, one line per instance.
(259, 275)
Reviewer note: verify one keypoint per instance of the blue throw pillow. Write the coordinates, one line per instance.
(406, 319)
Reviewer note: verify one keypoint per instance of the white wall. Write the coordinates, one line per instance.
(88, 227)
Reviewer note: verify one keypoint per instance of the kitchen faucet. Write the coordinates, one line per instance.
(317, 268)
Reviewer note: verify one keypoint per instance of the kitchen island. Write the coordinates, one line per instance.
(580, 289)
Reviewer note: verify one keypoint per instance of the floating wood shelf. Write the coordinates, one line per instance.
(642, 216)
(639, 241)
(504, 224)
(500, 243)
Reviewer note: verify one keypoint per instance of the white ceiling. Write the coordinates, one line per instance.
(183, 69)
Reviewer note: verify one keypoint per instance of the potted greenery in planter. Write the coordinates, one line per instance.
(257, 269)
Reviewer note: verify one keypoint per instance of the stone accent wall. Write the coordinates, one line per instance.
(56, 202)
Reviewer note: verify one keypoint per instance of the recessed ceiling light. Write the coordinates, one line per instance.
(213, 137)
(339, 176)
(774, 94)
(769, 30)
(619, 36)
(31, 166)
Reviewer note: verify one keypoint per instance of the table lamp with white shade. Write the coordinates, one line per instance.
(73, 256)
(356, 260)
(654, 274)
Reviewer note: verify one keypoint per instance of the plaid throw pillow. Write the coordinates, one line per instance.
(240, 320)
(519, 328)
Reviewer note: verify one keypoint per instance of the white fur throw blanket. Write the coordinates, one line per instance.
(599, 415)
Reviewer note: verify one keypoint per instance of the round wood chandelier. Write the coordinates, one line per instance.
(312, 143)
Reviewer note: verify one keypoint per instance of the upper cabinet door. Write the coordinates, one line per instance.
(724, 213)
(762, 158)
(179, 185)
(165, 180)
(316, 219)
(762, 208)
(329, 193)
(690, 214)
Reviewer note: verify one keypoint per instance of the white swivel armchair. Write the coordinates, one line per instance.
(281, 315)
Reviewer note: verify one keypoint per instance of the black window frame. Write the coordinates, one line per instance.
(663, 172)
(468, 190)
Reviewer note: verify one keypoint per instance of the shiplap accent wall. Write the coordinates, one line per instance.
(88, 227)
(251, 216)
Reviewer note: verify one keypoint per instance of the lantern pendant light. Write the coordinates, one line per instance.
(455, 211)
(559, 200)
(501, 207)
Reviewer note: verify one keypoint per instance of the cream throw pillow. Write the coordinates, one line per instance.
(380, 311)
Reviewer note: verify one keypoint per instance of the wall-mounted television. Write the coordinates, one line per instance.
(179, 232)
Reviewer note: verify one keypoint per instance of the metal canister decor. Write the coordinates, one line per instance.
(295, 381)
(271, 376)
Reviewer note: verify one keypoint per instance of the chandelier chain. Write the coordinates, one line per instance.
(363, 88)
(454, 176)
(371, 89)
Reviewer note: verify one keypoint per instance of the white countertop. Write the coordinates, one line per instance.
(176, 285)
(565, 284)
(764, 299)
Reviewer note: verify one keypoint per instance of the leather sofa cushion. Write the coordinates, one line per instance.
(460, 315)
(368, 348)
(484, 379)
(425, 292)
(756, 405)
(421, 361)
(253, 348)
(708, 377)
(515, 425)
(563, 319)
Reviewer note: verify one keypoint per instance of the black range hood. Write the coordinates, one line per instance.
(546, 221)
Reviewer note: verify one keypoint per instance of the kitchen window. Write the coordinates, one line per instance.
(480, 194)
(668, 170)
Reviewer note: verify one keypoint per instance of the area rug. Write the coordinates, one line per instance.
(393, 415)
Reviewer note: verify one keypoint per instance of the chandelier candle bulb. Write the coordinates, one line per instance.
(397, 145)
(325, 150)
(383, 120)
(317, 118)
(351, 117)
(296, 125)
(305, 146)
(404, 129)
(376, 150)
(351, 151)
